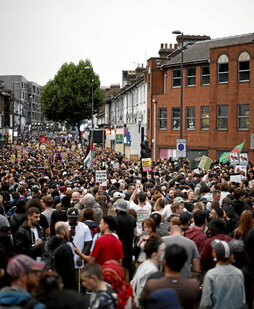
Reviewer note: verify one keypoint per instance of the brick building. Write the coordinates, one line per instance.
(218, 97)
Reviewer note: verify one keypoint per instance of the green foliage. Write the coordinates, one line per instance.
(68, 97)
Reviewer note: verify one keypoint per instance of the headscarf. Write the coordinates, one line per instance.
(113, 274)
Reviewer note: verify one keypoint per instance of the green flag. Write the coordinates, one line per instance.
(226, 155)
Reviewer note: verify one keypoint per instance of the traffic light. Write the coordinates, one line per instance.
(145, 150)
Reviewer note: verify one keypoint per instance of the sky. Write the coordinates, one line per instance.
(37, 37)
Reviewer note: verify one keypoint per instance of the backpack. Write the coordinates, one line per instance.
(48, 257)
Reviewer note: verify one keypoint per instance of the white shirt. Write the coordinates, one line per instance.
(166, 212)
(143, 212)
(82, 235)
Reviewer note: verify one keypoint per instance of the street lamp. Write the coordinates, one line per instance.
(178, 32)
(13, 103)
(92, 114)
(154, 100)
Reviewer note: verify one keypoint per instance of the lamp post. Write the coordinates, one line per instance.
(178, 32)
(92, 113)
(154, 100)
(181, 90)
(13, 103)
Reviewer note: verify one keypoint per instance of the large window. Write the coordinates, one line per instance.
(190, 118)
(205, 120)
(162, 118)
(205, 75)
(175, 118)
(222, 117)
(191, 76)
(223, 69)
(244, 67)
(176, 78)
(243, 116)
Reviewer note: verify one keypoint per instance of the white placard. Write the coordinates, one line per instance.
(101, 177)
(236, 178)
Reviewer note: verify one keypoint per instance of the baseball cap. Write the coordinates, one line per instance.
(121, 205)
(72, 213)
(23, 264)
(118, 195)
(221, 248)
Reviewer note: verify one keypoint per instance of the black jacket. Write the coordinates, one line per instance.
(24, 241)
(64, 262)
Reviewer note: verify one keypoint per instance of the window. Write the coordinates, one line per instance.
(162, 118)
(191, 76)
(244, 67)
(176, 118)
(205, 121)
(223, 69)
(190, 118)
(176, 78)
(205, 75)
(222, 117)
(243, 116)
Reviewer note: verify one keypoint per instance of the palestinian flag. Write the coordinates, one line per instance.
(88, 159)
(226, 155)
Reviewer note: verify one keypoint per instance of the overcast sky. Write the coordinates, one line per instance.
(37, 37)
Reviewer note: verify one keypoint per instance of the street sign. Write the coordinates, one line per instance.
(181, 148)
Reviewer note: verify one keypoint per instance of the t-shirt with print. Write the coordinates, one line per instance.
(143, 212)
(82, 235)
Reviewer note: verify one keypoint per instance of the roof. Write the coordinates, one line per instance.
(200, 51)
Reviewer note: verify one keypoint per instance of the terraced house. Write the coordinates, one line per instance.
(217, 96)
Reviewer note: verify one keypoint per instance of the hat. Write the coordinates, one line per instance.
(163, 299)
(221, 248)
(121, 205)
(204, 200)
(35, 188)
(178, 199)
(23, 264)
(63, 188)
(72, 213)
(185, 217)
(218, 225)
(118, 195)
(67, 182)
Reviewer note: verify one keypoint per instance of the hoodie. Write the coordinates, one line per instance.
(15, 297)
(198, 236)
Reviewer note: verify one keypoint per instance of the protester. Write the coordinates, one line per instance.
(223, 285)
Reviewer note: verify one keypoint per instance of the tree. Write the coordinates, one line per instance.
(68, 97)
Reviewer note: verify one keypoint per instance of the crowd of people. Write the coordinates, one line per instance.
(171, 237)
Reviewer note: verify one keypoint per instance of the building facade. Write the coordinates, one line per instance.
(25, 111)
(126, 114)
(217, 98)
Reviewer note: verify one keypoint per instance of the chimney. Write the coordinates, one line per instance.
(162, 45)
(166, 45)
(170, 46)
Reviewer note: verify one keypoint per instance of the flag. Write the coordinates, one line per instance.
(59, 157)
(88, 159)
(226, 155)
(43, 139)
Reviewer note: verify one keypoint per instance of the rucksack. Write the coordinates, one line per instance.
(48, 256)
